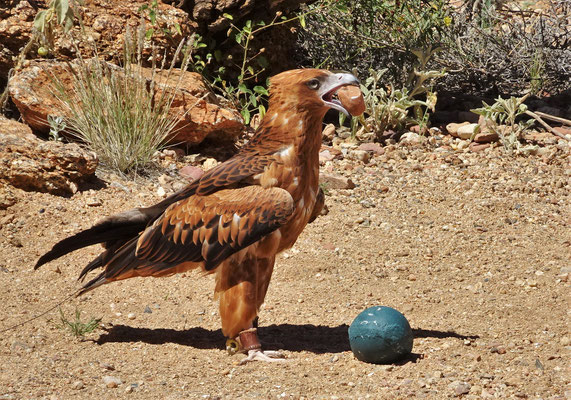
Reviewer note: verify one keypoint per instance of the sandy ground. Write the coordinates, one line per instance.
(472, 247)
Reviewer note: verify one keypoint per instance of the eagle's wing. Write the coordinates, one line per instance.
(200, 229)
(120, 229)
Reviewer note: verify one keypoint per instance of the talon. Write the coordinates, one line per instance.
(232, 346)
(259, 355)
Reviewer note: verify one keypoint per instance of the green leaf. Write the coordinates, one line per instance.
(246, 115)
(251, 70)
(242, 88)
(302, 20)
(262, 110)
(253, 100)
(249, 24)
(40, 21)
(61, 7)
(68, 21)
(143, 8)
(228, 16)
(149, 33)
(261, 90)
(177, 28)
(153, 17)
(238, 37)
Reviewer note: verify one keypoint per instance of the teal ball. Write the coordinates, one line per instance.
(380, 335)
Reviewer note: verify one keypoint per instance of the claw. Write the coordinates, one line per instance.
(259, 355)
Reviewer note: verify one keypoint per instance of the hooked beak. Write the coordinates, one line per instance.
(330, 87)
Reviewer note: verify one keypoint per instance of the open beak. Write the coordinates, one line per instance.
(329, 88)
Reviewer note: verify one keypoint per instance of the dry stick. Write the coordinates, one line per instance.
(550, 129)
(554, 118)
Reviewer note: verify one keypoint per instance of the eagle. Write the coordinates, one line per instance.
(235, 219)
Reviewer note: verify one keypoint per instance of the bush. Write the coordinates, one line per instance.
(119, 113)
(488, 48)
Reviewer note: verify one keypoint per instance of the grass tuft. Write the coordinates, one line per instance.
(76, 327)
(122, 114)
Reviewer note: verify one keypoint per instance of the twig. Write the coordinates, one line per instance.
(554, 118)
(550, 129)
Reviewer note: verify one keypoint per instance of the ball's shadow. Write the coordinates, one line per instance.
(317, 339)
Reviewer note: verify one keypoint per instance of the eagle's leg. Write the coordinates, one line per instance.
(242, 285)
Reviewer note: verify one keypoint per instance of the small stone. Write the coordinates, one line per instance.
(335, 181)
(453, 127)
(477, 147)
(111, 381)
(467, 131)
(460, 388)
(191, 173)
(129, 389)
(410, 138)
(93, 202)
(486, 137)
(564, 341)
(77, 385)
(161, 192)
(329, 132)
(209, 163)
(131, 316)
(374, 148)
(148, 310)
(359, 155)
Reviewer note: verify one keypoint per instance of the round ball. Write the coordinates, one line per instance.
(380, 335)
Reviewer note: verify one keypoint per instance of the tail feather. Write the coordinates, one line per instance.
(119, 264)
(120, 227)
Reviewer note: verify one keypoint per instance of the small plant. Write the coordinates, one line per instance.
(249, 66)
(501, 119)
(57, 124)
(390, 108)
(121, 114)
(153, 12)
(58, 13)
(76, 326)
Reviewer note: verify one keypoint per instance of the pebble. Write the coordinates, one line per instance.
(467, 131)
(209, 163)
(111, 381)
(453, 127)
(359, 155)
(161, 192)
(131, 316)
(93, 202)
(460, 388)
(191, 173)
(77, 385)
(148, 310)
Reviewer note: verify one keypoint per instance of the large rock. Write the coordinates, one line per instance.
(36, 165)
(104, 23)
(199, 111)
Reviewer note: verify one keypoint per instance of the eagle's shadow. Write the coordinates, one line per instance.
(317, 339)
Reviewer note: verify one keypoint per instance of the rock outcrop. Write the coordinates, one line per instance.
(199, 111)
(54, 167)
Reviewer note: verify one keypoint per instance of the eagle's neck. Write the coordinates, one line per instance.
(281, 129)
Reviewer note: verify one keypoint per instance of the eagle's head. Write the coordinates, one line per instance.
(312, 90)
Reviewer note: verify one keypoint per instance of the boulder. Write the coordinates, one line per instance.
(200, 112)
(44, 166)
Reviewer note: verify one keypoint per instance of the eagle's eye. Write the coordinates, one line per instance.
(313, 84)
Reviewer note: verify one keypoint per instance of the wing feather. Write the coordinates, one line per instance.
(222, 223)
